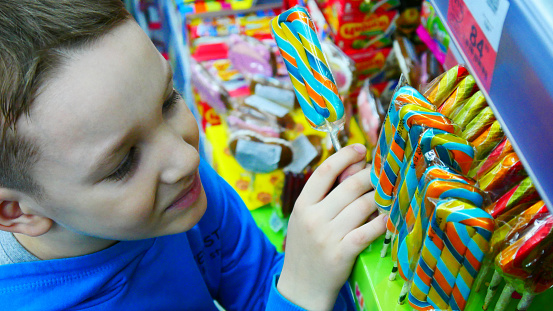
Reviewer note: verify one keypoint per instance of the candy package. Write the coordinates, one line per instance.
(369, 109)
(259, 154)
(209, 89)
(250, 56)
(443, 86)
(408, 60)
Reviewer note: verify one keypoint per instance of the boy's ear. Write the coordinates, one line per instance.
(13, 219)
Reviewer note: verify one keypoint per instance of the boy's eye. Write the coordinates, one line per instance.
(127, 166)
(170, 101)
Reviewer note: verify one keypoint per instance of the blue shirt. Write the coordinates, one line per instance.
(225, 257)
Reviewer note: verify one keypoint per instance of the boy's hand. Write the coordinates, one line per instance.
(327, 231)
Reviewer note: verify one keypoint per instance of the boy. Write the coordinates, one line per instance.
(105, 202)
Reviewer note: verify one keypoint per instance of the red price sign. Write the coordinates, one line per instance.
(480, 47)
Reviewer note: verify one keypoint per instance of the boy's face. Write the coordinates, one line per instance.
(120, 152)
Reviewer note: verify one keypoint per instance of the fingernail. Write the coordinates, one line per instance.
(385, 218)
(360, 148)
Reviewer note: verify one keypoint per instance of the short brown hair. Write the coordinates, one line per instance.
(35, 38)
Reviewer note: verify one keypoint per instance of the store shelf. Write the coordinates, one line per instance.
(375, 292)
(260, 5)
(521, 88)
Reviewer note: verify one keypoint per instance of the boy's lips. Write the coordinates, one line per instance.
(188, 196)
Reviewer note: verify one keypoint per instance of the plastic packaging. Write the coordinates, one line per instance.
(473, 106)
(466, 88)
(440, 89)
(452, 253)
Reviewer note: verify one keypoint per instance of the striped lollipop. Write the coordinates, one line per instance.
(519, 261)
(405, 95)
(439, 92)
(434, 145)
(397, 213)
(311, 77)
(451, 256)
(411, 236)
(412, 120)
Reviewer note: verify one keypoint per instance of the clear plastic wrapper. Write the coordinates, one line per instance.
(251, 56)
(497, 155)
(412, 120)
(408, 60)
(470, 109)
(463, 92)
(440, 89)
(503, 176)
(401, 204)
(412, 234)
(433, 145)
(342, 67)
(368, 107)
(453, 250)
(479, 124)
(259, 154)
(404, 94)
(521, 193)
(487, 141)
(209, 89)
(521, 262)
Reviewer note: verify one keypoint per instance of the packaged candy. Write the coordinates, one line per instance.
(503, 176)
(453, 250)
(519, 262)
(498, 153)
(412, 235)
(259, 154)
(521, 193)
(466, 88)
(479, 124)
(311, 77)
(209, 89)
(250, 56)
(487, 141)
(399, 209)
(474, 105)
(440, 89)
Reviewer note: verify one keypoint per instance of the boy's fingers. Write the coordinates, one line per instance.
(325, 175)
(358, 239)
(353, 169)
(355, 214)
(347, 192)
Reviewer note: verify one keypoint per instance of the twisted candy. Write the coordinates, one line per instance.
(520, 261)
(412, 170)
(459, 97)
(412, 120)
(311, 77)
(397, 214)
(441, 91)
(405, 95)
(451, 256)
(412, 234)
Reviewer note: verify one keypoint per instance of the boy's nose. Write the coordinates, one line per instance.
(180, 159)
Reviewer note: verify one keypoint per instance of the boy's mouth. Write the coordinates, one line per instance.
(188, 196)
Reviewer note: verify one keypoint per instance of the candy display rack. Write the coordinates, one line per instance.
(374, 292)
(513, 76)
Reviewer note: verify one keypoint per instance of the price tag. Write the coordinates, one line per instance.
(477, 26)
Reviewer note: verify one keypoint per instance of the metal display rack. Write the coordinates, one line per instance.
(521, 88)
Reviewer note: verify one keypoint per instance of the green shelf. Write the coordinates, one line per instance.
(374, 292)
